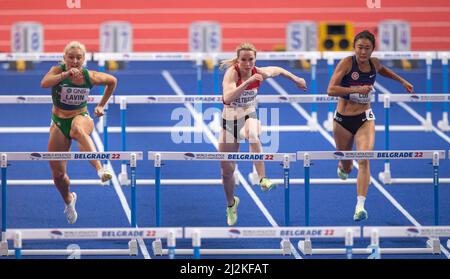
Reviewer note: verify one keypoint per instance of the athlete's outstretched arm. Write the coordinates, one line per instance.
(273, 71)
(386, 72)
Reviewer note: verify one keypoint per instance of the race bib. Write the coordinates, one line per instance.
(74, 96)
(247, 98)
(370, 115)
(362, 98)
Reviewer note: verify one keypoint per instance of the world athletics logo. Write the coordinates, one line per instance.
(338, 155)
(414, 98)
(234, 233)
(412, 231)
(189, 156)
(35, 156)
(56, 234)
(21, 99)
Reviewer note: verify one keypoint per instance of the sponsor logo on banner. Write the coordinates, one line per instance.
(338, 154)
(428, 232)
(122, 233)
(21, 99)
(283, 98)
(250, 157)
(412, 231)
(94, 156)
(151, 99)
(189, 156)
(414, 98)
(55, 234)
(307, 232)
(234, 233)
(209, 156)
(35, 156)
(399, 154)
(259, 233)
(90, 234)
(203, 99)
(326, 99)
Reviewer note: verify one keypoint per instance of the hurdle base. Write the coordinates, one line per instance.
(133, 247)
(443, 125)
(285, 249)
(313, 124)
(448, 243)
(305, 246)
(66, 252)
(123, 179)
(328, 124)
(428, 123)
(385, 177)
(227, 252)
(157, 247)
(253, 178)
(4, 248)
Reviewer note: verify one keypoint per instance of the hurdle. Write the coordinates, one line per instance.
(123, 100)
(159, 156)
(211, 99)
(197, 234)
(443, 123)
(73, 250)
(306, 245)
(39, 99)
(63, 156)
(38, 56)
(386, 176)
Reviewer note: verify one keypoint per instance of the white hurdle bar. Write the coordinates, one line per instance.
(386, 176)
(39, 99)
(159, 156)
(6, 157)
(307, 157)
(284, 233)
(18, 235)
(124, 100)
(376, 233)
(38, 56)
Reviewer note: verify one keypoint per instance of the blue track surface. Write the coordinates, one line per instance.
(331, 205)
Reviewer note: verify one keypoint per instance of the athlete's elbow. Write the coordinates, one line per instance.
(226, 100)
(331, 91)
(112, 81)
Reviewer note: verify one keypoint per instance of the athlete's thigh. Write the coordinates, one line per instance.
(252, 126)
(85, 122)
(342, 137)
(365, 137)
(57, 142)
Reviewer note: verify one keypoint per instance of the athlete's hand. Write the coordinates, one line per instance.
(408, 86)
(301, 83)
(98, 111)
(364, 89)
(255, 77)
(74, 73)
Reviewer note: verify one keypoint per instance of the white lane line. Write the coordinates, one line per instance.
(123, 200)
